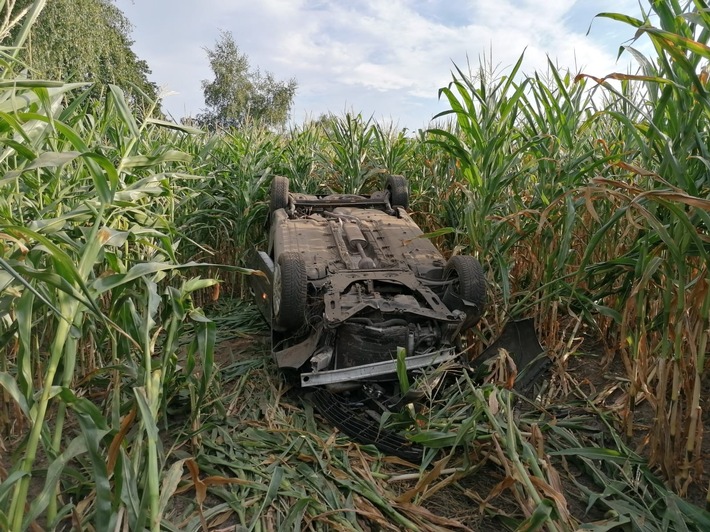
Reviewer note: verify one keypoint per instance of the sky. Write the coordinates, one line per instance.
(382, 58)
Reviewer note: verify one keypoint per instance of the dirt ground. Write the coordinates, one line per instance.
(598, 376)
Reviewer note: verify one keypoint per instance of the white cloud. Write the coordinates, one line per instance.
(386, 58)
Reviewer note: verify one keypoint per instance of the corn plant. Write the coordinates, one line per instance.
(601, 211)
(664, 309)
(392, 149)
(17, 23)
(300, 157)
(435, 184)
(91, 293)
(489, 154)
(346, 157)
(222, 216)
(586, 198)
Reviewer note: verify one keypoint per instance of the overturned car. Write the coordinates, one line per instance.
(350, 286)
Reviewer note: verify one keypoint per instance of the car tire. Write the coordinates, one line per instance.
(289, 291)
(468, 284)
(399, 191)
(279, 193)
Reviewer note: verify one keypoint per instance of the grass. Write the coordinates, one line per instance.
(585, 196)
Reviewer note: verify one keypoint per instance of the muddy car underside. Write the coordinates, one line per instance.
(353, 287)
(356, 294)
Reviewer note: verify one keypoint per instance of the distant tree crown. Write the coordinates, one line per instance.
(238, 94)
(85, 40)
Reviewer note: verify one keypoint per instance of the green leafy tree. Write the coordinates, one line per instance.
(238, 94)
(85, 40)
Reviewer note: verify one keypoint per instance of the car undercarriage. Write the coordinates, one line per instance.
(355, 293)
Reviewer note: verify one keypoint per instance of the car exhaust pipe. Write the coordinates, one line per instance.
(356, 238)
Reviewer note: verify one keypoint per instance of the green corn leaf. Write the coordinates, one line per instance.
(436, 440)
(124, 111)
(146, 161)
(75, 448)
(25, 99)
(607, 525)
(197, 284)
(294, 518)
(139, 270)
(271, 493)
(595, 453)
(34, 10)
(104, 174)
(93, 428)
(146, 413)
(667, 38)
(177, 127)
(9, 483)
(20, 279)
(541, 515)
(24, 310)
(402, 370)
(10, 385)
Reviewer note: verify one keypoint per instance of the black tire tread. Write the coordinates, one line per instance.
(292, 312)
(279, 193)
(399, 191)
(472, 286)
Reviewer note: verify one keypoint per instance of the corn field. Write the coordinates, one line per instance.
(136, 388)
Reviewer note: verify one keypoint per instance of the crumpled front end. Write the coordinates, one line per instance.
(374, 294)
(367, 319)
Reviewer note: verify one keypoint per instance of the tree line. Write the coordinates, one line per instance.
(90, 41)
